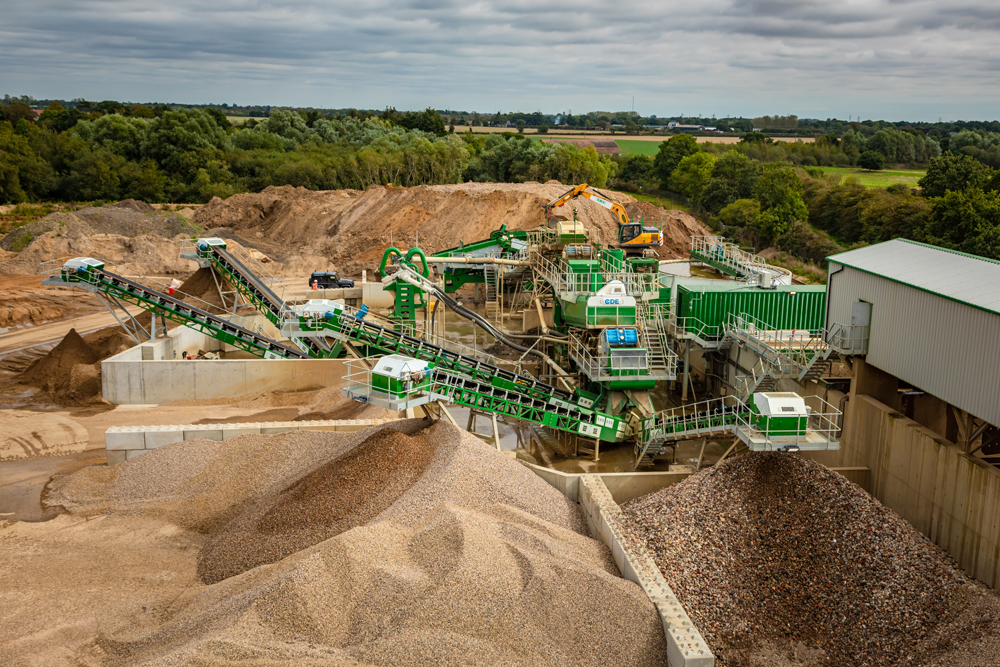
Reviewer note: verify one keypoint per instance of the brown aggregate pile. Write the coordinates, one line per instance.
(770, 550)
(349, 230)
(70, 373)
(477, 562)
(349, 491)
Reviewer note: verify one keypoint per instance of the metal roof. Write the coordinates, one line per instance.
(968, 279)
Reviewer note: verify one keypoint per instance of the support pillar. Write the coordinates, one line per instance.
(687, 370)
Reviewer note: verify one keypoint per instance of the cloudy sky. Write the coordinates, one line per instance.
(891, 59)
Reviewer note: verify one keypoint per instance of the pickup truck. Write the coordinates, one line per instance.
(329, 280)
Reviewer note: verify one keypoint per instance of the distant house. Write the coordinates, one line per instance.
(674, 125)
(37, 112)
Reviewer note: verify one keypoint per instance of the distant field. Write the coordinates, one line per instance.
(239, 120)
(639, 147)
(879, 179)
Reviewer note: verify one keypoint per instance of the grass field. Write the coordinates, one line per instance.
(639, 147)
(879, 179)
(662, 202)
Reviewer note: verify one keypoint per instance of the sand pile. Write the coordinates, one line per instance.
(71, 372)
(476, 561)
(349, 230)
(773, 550)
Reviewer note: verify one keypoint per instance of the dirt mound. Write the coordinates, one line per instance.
(71, 372)
(349, 491)
(349, 230)
(477, 561)
(25, 300)
(772, 549)
(678, 227)
(133, 205)
(129, 233)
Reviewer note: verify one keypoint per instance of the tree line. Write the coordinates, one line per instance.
(192, 155)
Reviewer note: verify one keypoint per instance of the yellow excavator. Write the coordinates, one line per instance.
(633, 237)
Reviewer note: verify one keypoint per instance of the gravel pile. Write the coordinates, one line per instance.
(771, 549)
(476, 560)
(349, 491)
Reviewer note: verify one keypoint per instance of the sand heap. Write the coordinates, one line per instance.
(465, 558)
(772, 554)
(71, 372)
(349, 230)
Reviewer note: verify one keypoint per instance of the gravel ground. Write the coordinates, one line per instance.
(477, 562)
(770, 551)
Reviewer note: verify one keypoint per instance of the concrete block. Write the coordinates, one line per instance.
(274, 428)
(202, 431)
(124, 437)
(318, 425)
(116, 456)
(132, 453)
(158, 436)
(236, 430)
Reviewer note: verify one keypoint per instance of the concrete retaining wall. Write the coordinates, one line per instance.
(949, 496)
(685, 645)
(125, 442)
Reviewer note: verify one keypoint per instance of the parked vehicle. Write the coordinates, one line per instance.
(328, 280)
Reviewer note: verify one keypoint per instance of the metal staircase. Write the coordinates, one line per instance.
(491, 277)
(799, 354)
(710, 417)
(662, 360)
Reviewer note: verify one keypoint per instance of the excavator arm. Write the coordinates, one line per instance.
(594, 196)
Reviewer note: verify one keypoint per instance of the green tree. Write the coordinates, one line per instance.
(870, 160)
(24, 175)
(968, 221)
(733, 178)
(692, 174)
(779, 192)
(740, 214)
(520, 126)
(175, 139)
(954, 172)
(543, 129)
(15, 112)
(671, 152)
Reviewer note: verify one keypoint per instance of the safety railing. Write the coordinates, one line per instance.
(714, 415)
(799, 346)
(848, 339)
(691, 327)
(717, 250)
(821, 423)
(607, 367)
(564, 280)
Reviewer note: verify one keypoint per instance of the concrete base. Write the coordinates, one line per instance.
(125, 442)
(685, 645)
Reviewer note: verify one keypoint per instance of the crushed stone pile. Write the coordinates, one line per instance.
(476, 561)
(772, 550)
(349, 491)
(349, 230)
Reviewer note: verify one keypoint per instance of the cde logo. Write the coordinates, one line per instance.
(611, 302)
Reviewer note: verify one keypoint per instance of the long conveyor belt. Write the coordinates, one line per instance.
(253, 288)
(176, 310)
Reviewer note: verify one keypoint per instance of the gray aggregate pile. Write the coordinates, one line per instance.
(474, 560)
(771, 549)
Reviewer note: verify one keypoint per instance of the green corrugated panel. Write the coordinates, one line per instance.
(786, 307)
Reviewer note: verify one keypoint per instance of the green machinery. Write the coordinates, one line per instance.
(613, 327)
(407, 298)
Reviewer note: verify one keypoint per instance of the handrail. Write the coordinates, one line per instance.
(708, 416)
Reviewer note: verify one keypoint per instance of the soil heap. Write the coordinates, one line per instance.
(348, 230)
(771, 550)
(25, 300)
(469, 559)
(71, 372)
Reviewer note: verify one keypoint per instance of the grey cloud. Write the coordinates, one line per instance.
(737, 56)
